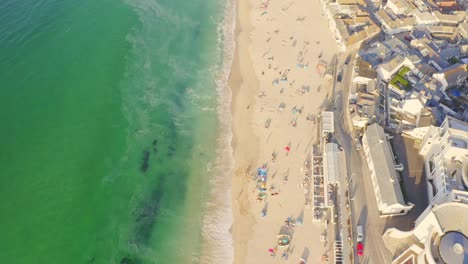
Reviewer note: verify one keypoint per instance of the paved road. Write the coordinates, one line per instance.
(363, 205)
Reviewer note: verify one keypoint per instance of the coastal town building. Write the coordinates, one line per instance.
(440, 233)
(394, 26)
(445, 151)
(331, 164)
(385, 180)
(411, 77)
(350, 32)
(362, 110)
(349, 23)
(327, 123)
(387, 69)
(424, 18)
(399, 7)
(453, 76)
(462, 34)
(375, 54)
(449, 19)
(440, 236)
(365, 77)
(410, 112)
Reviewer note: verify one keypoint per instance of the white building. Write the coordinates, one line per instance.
(411, 112)
(449, 19)
(365, 75)
(396, 26)
(387, 69)
(441, 231)
(362, 110)
(385, 180)
(445, 152)
(463, 31)
(327, 123)
(452, 76)
(331, 165)
(424, 18)
(399, 7)
(439, 237)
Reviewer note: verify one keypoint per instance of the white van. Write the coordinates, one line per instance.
(359, 233)
(358, 144)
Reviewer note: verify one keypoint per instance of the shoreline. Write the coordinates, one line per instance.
(300, 39)
(242, 101)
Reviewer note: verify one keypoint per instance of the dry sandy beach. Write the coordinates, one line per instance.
(275, 88)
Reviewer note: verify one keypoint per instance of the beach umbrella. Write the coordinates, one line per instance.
(282, 106)
(287, 148)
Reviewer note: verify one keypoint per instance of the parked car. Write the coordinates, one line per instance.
(359, 233)
(358, 143)
(348, 59)
(360, 249)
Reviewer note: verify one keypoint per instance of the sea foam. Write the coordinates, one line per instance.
(218, 220)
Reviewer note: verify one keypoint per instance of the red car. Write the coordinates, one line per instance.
(360, 249)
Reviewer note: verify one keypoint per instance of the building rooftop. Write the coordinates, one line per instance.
(448, 5)
(375, 54)
(381, 154)
(444, 229)
(449, 52)
(396, 45)
(442, 29)
(365, 69)
(449, 18)
(423, 17)
(332, 165)
(393, 63)
(451, 122)
(413, 106)
(455, 72)
(463, 29)
(327, 122)
(453, 248)
(399, 3)
(365, 99)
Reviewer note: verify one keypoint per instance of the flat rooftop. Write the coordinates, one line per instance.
(382, 156)
(332, 165)
(327, 122)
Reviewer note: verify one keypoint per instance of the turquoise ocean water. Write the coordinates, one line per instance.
(110, 135)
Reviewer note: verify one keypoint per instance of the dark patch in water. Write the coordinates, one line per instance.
(147, 214)
(145, 161)
(155, 146)
(180, 88)
(196, 32)
(171, 151)
(127, 260)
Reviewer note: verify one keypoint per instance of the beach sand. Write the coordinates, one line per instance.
(273, 38)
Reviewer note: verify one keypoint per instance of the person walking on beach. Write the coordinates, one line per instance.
(287, 149)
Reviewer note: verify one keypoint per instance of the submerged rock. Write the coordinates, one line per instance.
(145, 161)
(126, 260)
(171, 151)
(155, 146)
